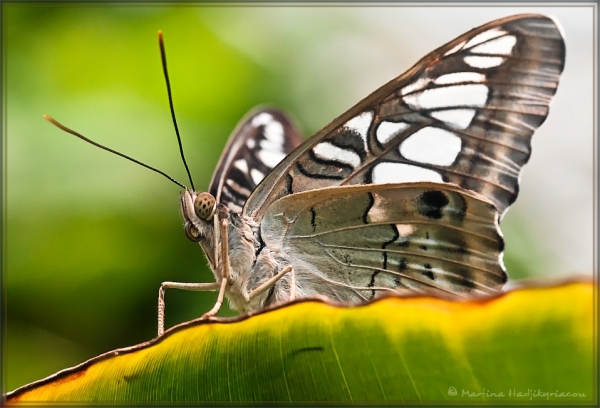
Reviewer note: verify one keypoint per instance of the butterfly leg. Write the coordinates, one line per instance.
(271, 281)
(224, 258)
(212, 286)
(293, 285)
(220, 231)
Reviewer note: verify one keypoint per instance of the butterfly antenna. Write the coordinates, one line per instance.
(163, 56)
(66, 129)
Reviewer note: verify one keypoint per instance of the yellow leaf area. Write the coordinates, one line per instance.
(527, 346)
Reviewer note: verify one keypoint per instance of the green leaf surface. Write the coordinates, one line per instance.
(531, 345)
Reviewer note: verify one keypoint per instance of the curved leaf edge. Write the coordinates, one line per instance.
(482, 300)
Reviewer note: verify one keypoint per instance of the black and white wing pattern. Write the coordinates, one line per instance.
(259, 142)
(405, 190)
(464, 114)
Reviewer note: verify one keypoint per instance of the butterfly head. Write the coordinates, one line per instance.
(198, 210)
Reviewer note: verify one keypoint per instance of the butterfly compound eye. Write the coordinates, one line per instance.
(204, 206)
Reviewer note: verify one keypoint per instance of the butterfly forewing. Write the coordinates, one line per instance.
(412, 237)
(260, 141)
(464, 114)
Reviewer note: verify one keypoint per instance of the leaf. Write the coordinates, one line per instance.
(530, 344)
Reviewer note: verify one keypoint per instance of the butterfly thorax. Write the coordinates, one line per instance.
(242, 259)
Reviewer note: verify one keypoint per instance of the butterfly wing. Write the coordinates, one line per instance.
(464, 114)
(410, 237)
(258, 143)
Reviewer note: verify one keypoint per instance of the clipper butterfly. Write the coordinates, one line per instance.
(402, 193)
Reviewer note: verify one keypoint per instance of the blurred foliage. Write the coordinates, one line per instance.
(90, 236)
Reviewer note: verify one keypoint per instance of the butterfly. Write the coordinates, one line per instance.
(402, 193)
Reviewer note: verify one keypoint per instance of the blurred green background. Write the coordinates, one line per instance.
(89, 237)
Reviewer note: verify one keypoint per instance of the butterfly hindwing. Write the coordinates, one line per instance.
(412, 237)
(260, 141)
(464, 114)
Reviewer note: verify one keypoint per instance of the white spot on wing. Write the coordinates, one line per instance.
(415, 86)
(262, 119)
(242, 165)
(267, 144)
(432, 146)
(274, 137)
(361, 124)
(456, 48)
(483, 62)
(469, 95)
(270, 158)
(380, 209)
(234, 207)
(403, 173)
(485, 36)
(238, 188)
(458, 77)
(455, 118)
(257, 176)
(405, 230)
(327, 151)
(271, 152)
(502, 45)
(387, 130)
(274, 132)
